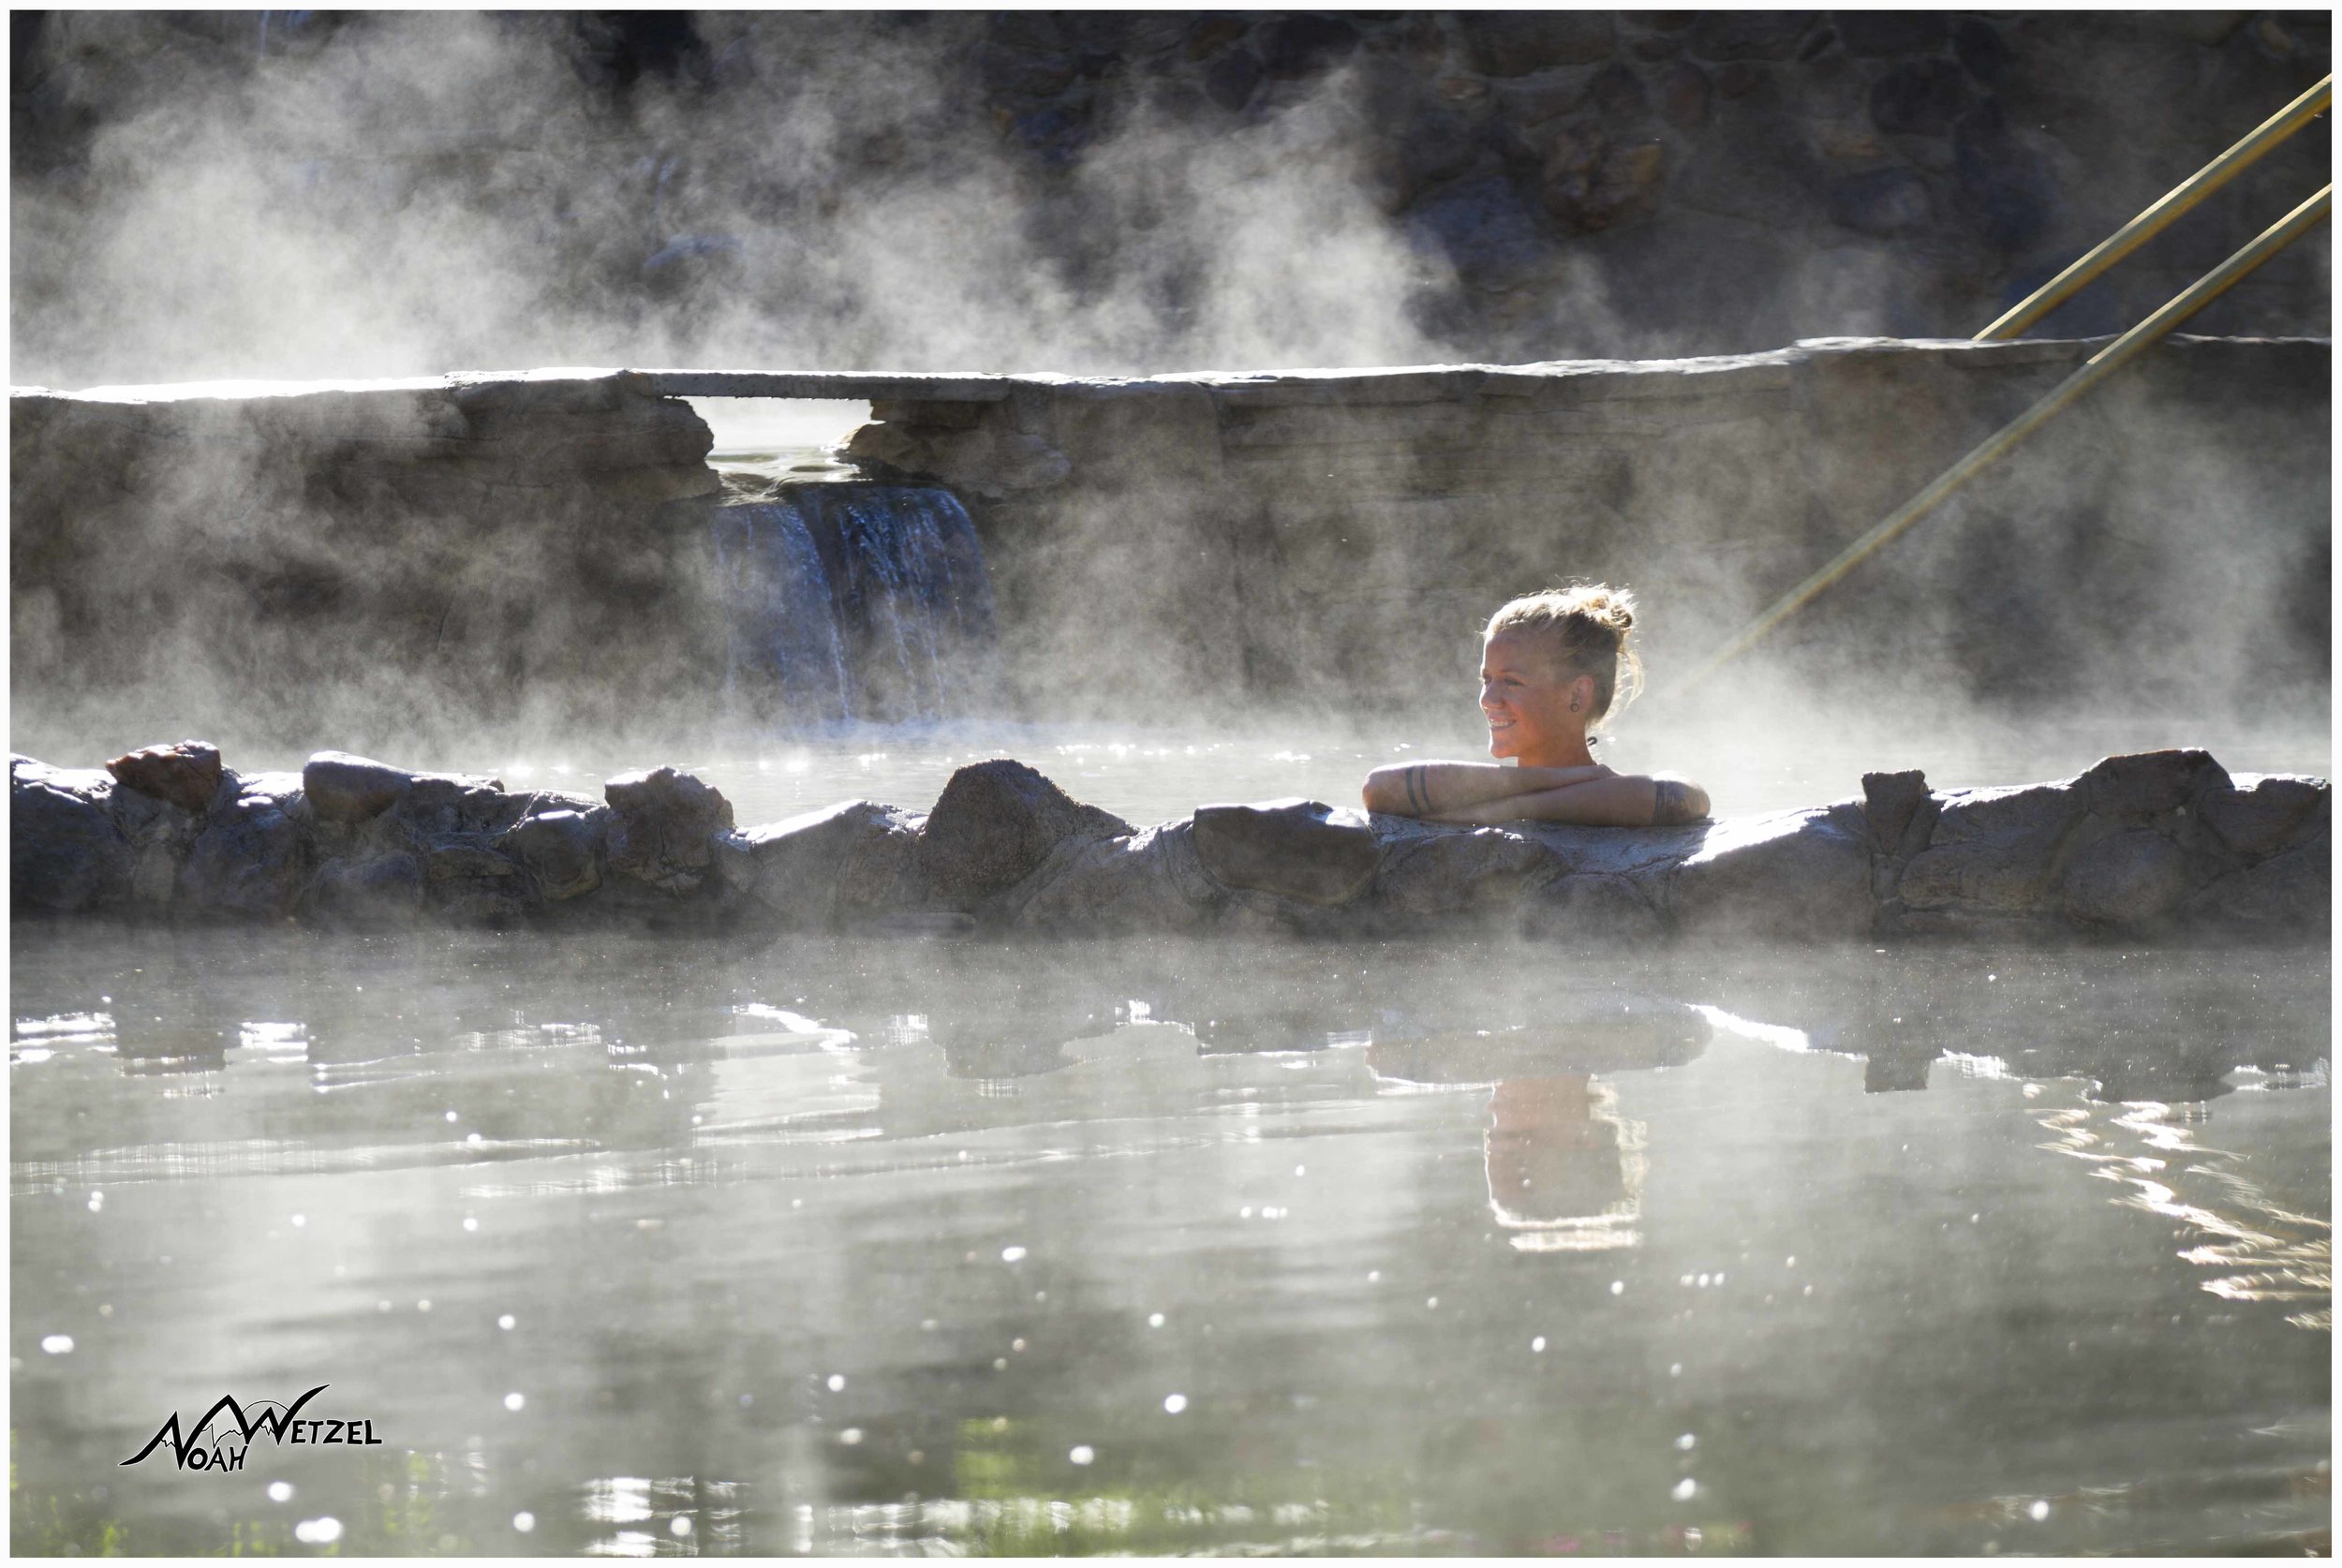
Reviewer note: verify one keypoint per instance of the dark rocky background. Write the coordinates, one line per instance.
(322, 193)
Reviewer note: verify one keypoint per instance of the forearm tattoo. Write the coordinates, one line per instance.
(1672, 804)
(1418, 792)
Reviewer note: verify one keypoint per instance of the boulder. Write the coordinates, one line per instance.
(1684, 96)
(2132, 879)
(1901, 813)
(1514, 43)
(1297, 45)
(1875, 34)
(380, 890)
(1799, 875)
(1149, 881)
(1891, 804)
(1919, 98)
(443, 803)
(1750, 34)
(992, 827)
(246, 861)
(1294, 847)
(2288, 897)
(186, 775)
(560, 849)
(797, 871)
(346, 789)
(1992, 851)
(1593, 909)
(2146, 785)
(466, 859)
(2255, 820)
(65, 853)
(1978, 46)
(159, 834)
(665, 819)
(1460, 870)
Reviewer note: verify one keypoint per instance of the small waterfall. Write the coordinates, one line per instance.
(847, 600)
(783, 656)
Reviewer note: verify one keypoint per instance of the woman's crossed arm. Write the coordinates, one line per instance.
(1484, 794)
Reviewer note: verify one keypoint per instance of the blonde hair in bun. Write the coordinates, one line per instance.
(1588, 628)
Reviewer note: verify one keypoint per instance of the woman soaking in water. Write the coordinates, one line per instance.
(1551, 667)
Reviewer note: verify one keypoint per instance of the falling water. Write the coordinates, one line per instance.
(853, 600)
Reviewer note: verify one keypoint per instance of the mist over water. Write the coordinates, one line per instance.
(419, 192)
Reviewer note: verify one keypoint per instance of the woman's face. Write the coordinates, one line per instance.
(1527, 703)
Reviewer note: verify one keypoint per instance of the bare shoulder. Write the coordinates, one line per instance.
(1675, 801)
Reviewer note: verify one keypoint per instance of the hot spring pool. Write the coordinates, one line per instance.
(638, 1246)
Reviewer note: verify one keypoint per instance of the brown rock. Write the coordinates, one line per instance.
(346, 789)
(1792, 874)
(1750, 34)
(2150, 784)
(2130, 880)
(458, 860)
(1458, 872)
(65, 853)
(1288, 846)
(996, 822)
(1889, 801)
(2286, 897)
(1514, 43)
(184, 775)
(1593, 907)
(665, 819)
(1150, 881)
(1684, 97)
(799, 869)
(246, 861)
(559, 849)
(1991, 852)
(2255, 820)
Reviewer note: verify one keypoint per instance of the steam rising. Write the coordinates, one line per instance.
(438, 191)
(416, 193)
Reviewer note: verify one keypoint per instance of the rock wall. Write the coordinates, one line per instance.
(1565, 183)
(2154, 845)
(421, 561)
(1337, 537)
(387, 556)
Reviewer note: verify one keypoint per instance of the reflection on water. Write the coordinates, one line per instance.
(638, 1247)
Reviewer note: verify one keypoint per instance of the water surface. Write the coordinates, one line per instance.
(635, 1246)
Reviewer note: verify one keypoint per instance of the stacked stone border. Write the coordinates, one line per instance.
(2159, 845)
